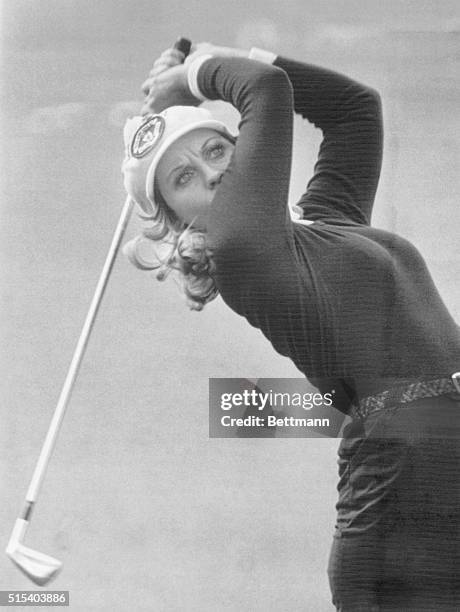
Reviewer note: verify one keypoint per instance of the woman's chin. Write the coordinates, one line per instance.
(198, 223)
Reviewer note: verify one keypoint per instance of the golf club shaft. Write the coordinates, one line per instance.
(35, 565)
(72, 373)
(183, 45)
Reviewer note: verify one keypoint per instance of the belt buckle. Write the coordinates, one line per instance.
(456, 380)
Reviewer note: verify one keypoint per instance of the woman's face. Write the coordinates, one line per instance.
(190, 171)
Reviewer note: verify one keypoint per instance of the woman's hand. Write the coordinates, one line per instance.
(167, 84)
(205, 48)
(168, 59)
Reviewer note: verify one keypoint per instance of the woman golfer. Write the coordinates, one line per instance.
(353, 306)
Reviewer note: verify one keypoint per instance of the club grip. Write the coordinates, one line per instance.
(184, 45)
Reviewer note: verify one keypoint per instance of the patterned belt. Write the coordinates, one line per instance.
(409, 393)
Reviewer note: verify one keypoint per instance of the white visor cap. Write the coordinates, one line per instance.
(147, 138)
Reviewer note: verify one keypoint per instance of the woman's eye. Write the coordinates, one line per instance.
(184, 177)
(216, 151)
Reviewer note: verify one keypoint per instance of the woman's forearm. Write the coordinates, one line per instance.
(252, 198)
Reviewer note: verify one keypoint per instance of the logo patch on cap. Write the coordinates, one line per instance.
(147, 136)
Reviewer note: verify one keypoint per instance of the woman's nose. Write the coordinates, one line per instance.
(213, 177)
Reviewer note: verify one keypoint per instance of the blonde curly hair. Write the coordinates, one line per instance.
(176, 248)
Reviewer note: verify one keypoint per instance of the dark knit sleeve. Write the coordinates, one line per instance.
(348, 167)
(249, 216)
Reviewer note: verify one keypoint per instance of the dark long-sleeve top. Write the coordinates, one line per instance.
(345, 301)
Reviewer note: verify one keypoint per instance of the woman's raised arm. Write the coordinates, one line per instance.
(349, 114)
(249, 214)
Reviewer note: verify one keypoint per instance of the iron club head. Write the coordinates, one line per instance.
(38, 567)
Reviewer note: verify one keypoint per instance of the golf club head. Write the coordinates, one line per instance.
(38, 567)
(35, 565)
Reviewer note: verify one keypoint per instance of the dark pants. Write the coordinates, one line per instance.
(396, 545)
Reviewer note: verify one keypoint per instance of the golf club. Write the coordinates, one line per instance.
(38, 567)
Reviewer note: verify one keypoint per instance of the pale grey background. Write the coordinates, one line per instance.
(145, 511)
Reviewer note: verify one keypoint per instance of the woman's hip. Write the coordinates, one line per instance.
(401, 464)
(396, 544)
